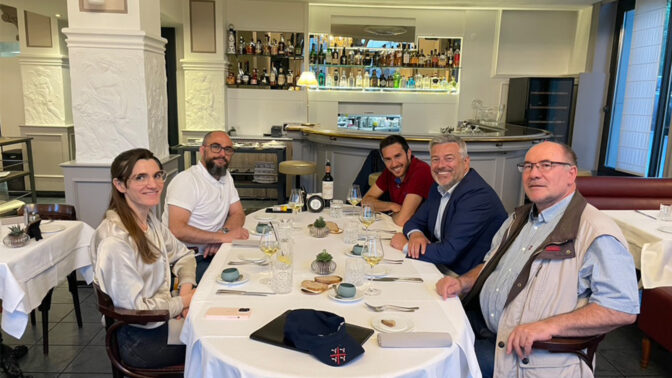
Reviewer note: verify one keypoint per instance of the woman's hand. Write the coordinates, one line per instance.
(186, 292)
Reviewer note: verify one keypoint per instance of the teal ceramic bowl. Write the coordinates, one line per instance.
(346, 290)
(263, 228)
(357, 249)
(230, 274)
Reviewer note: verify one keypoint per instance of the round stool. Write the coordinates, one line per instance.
(374, 177)
(297, 168)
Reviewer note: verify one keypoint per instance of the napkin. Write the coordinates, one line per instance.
(415, 340)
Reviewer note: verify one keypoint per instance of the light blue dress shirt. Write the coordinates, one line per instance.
(445, 197)
(607, 275)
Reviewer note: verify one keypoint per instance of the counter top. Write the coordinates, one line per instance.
(487, 134)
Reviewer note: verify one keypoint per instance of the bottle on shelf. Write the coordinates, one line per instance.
(327, 185)
(456, 55)
(290, 46)
(250, 48)
(241, 45)
(282, 79)
(367, 80)
(382, 81)
(358, 79)
(443, 60)
(267, 45)
(274, 47)
(329, 81)
(273, 78)
(351, 80)
(374, 79)
(246, 74)
(231, 77)
(327, 57)
(344, 58)
(343, 81)
(231, 46)
(406, 59)
(255, 78)
(290, 78)
(321, 79)
(390, 81)
(265, 79)
(313, 54)
(336, 78)
(397, 79)
(281, 45)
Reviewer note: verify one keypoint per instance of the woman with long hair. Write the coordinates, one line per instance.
(132, 254)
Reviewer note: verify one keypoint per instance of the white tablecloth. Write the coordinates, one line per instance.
(29, 272)
(217, 348)
(651, 248)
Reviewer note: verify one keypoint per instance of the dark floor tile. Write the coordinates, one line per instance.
(30, 336)
(57, 312)
(92, 359)
(65, 333)
(627, 363)
(61, 295)
(99, 339)
(83, 375)
(629, 337)
(58, 358)
(90, 313)
(604, 368)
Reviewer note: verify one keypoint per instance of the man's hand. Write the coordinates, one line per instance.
(394, 207)
(523, 336)
(449, 287)
(211, 249)
(417, 245)
(398, 241)
(236, 234)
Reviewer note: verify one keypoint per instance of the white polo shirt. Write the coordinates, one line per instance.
(207, 199)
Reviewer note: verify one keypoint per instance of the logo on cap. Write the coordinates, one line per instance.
(338, 355)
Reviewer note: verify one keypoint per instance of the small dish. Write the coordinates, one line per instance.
(377, 272)
(255, 257)
(241, 280)
(402, 323)
(48, 228)
(358, 297)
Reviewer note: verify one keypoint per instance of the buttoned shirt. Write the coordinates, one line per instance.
(445, 197)
(605, 264)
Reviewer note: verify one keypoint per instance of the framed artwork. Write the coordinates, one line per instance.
(202, 22)
(38, 30)
(104, 6)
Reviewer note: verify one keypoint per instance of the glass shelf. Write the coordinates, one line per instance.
(379, 90)
(382, 67)
(297, 57)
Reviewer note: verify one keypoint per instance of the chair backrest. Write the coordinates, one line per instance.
(55, 211)
(625, 193)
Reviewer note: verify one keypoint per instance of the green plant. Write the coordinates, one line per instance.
(15, 230)
(320, 223)
(323, 256)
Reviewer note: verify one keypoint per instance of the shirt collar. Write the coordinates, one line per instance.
(552, 212)
(202, 170)
(443, 192)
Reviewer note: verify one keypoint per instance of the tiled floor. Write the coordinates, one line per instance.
(75, 352)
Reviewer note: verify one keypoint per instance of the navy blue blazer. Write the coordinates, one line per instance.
(472, 217)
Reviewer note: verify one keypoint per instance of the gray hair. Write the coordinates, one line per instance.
(449, 138)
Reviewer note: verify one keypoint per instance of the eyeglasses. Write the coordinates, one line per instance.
(543, 166)
(143, 178)
(217, 148)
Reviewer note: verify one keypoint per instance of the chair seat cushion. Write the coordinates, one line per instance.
(656, 314)
(297, 167)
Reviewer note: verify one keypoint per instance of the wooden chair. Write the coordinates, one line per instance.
(116, 318)
(56, 212)
(575, 345)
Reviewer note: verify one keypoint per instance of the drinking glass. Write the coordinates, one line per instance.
(295, 203)
(354, 195)
(351, 232)
(336, 208)
(372, 253)
(283, 266)
(665, 217)
(269, 245)
(354, 271)
(367, 216)
(284, 228)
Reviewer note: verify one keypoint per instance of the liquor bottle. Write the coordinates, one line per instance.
(258, 47)
(334, 56)
(343, 81)
(421, 59)
(265, 80)
(274, 47)
(358, 58)
(250, 48)
(411, 82)
(232, 41)
(298, 45)
(246, 74)
(321, 79)
(336, 78)
(313, 54)
(435, 81)
(397, 79)
(456, 55)
(290, 46)
(367, 60)
(239, 77)
(435, 59)
(231, 78)
(406, 60)
(290, 78)
(329, 81)
(358, 79)
(390, 81)
(282, 79)
(241, 45)
(267, 45)
(255, 78)
(418, 80)
(442, 59)
(351, 80)
(327, 185)
(426, 82)
(320, 57)
(281, 45)
(273, 78)
(398, 58)
(367, 80)
(374, 79)
(382, 81)
(403, 82)
(327, 57)
(414, 59)
(344, 58)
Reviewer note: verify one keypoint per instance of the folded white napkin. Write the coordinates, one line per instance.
(245, 243)
(415, 340)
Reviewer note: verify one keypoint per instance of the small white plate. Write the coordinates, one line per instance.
(48, 228)
(255, 257)
(403, 323)
(348, 252)
(377, 272)
(264, 216)
(358, 297)
(241, 280)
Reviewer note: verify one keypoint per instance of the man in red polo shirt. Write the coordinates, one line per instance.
(407, 180)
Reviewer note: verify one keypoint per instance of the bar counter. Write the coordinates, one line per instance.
(494, 153)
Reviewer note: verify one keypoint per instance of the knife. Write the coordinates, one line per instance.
(404, 279)
(242, 292)
(645, 214)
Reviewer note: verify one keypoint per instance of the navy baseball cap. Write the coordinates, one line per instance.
(322, 334)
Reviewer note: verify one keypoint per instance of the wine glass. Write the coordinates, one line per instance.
(354, 195)
(367, 216)
(295, 203)
(372, 253)
(269, 245)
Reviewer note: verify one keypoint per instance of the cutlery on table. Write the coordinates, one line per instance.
(243, 292)
(261, 263)
(645, 214)
(401, 279)
(392, 261)
(382, 308)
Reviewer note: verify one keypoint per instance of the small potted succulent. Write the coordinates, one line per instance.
(319, 228)
(324, 263)
(16, 237)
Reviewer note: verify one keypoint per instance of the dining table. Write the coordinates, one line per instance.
(223, 347)
(28, 273)
(651, 248)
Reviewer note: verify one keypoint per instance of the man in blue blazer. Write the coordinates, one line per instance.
(455, 226)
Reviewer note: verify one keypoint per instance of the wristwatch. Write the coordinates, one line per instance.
(315, 203)
(225, 230)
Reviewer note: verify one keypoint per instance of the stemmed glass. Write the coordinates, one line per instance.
(269, 245)
(354, 195)
(295, 203)
(367, 216)
(372, 253)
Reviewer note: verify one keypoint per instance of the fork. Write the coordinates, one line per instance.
(382, 308)
(391, 261)
(260, 263)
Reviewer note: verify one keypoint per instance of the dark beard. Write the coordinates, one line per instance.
(215, 171)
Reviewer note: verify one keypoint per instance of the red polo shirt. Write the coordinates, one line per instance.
(418, 181)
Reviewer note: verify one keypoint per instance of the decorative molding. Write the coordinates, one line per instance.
(44, 60)
(157, 104)
(204, 99)
(202, 65)
(114, 39)
(43, 95)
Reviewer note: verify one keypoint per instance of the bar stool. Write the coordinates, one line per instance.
(297, 168)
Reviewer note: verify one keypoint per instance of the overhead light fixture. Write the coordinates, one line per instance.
(307, 79)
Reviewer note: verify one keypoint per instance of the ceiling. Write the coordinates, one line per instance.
(460, 3)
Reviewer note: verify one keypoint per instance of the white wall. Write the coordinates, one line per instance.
(11, 97)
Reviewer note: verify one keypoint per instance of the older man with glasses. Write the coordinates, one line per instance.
(203, 208)
(557, 268)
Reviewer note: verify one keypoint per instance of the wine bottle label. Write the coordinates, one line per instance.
(327, 189)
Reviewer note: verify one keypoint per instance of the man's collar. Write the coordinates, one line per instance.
(552, 212)
(443, 192)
